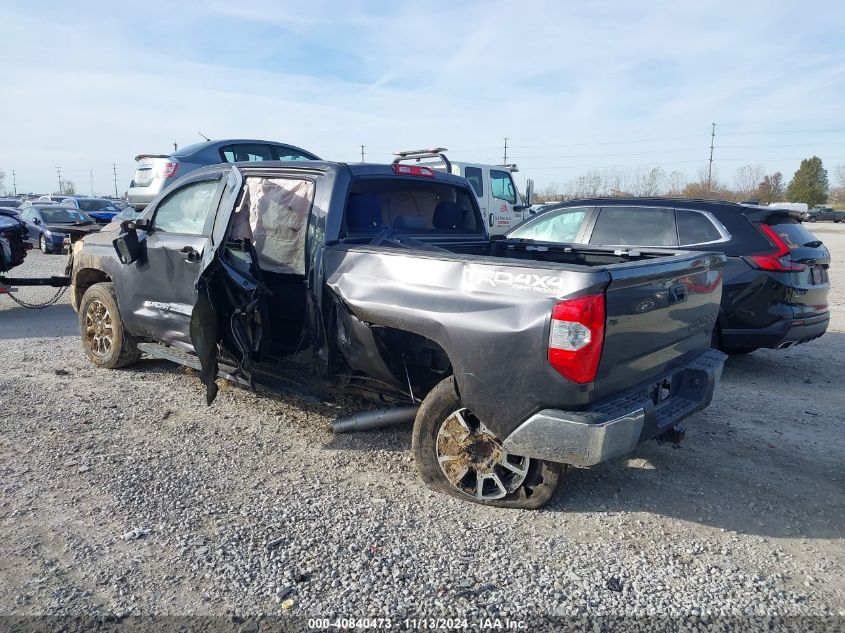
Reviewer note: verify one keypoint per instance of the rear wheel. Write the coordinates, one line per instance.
(457, 454)
(104, 339)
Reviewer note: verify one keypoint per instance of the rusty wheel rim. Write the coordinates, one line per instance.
(99, 329)
(473, 460)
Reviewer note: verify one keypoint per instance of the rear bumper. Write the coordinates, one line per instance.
(615, 427)
(783, 333)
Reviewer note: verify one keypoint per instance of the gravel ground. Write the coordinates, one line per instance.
(122, 494)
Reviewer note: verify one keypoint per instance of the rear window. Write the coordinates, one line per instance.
(560, 225)
(791, 231)
(409, 206)
(634, 226)
(473, 175)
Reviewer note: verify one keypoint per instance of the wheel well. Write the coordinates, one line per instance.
(85, 278)
(426, 362)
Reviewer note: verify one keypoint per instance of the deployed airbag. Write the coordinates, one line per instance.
(273, 213)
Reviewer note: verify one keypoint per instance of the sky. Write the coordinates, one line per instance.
(574, 86)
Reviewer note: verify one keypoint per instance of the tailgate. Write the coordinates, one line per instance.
(809, 282)
(658, 312)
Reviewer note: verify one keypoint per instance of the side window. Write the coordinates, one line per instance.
(561, 225)
(227, 153)
(473, 174)
(634, 226)
(252, 153)
(186, 210)
(280, 152)
(695, 228)
(501, 185)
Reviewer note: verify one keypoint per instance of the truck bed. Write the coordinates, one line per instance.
(489, 304)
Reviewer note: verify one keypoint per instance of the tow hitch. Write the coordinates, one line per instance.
(10, 285)
(673, 436)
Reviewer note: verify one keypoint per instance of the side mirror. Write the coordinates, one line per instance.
(529, 192)
(36, 220)
(126, 244)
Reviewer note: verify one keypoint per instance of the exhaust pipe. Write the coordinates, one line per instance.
(378, 419)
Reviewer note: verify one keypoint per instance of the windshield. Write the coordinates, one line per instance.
(64, 216)
(558, 225)
(411, 206)
(96, 205)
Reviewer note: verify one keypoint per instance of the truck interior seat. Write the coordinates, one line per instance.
(363, 212)
(449, 215)
(401, 203)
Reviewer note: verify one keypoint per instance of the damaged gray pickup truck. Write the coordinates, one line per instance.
(514, 358)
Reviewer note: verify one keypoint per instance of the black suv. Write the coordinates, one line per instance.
(776, 281)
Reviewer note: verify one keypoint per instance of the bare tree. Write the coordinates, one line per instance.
(748, 179)
(3, 182)
(711, 188)
(675, 183)
(837, 192)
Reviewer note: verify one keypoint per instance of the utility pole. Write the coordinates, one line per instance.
(362, 154)
(14, 183)
(114, 171)
(175, 147)
(59, 172)
(91, 180)
(710, 167)
(505, 157)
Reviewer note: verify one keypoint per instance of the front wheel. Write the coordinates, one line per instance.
(104, 339)
(457, 454)
(42, 244)
(812, 218)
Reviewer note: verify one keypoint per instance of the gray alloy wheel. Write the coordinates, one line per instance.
(456, 453)
(473, 460)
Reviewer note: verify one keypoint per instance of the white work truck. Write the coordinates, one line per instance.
(500, 201)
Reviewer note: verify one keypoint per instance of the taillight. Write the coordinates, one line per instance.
(413, 170)
(169, 168)
(576, 337)
(779, 259)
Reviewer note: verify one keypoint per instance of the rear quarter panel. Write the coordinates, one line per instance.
(493, 328)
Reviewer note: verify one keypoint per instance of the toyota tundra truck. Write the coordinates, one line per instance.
(513, 359)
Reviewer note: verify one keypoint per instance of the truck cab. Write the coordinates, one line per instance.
(498, 197)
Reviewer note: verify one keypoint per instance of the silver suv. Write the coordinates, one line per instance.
(155, 172)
